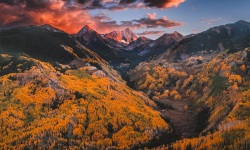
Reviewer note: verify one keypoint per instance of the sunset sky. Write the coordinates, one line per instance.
(149, 18)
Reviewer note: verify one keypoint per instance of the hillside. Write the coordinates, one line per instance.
(57, 94)
(233, 36)
(203, 94)
(224, 91)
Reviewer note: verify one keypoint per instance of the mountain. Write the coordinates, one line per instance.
(123, 49)
(153, 48)
(189, 35)
(39, 42)
(124, 36)
(95, 41)
(176, 36)
(58, 48)
(202, 86)
(230, 36)
(188, 92)
(166, 39)
(193, 52)
(87, 35)
(140, 41)
(51, 28)
(57, 94)
(85, 29)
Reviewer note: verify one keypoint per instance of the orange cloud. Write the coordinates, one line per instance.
(69, 15)
(163, 3)
(146, 33)
(173, 3)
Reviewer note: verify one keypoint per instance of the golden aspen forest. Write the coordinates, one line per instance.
(43, 108)
(222, 85)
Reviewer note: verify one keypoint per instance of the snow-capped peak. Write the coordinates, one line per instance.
(85, 29)
(124, 36)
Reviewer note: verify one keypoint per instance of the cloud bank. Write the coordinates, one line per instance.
(71, 15)
(146, 33)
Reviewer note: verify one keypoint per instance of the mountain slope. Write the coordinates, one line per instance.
(230, 36)
(206, 90)
(140, 41)
(226, 96)
(60, 49)
(67, 101)
(150, 48)
(51, 28)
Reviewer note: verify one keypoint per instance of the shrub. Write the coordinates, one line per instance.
(218, 85)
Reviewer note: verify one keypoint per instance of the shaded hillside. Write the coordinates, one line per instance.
(215, 86)
(40, 43)
(234, 36)
(60, 49)
(150, 49)
(226, 92)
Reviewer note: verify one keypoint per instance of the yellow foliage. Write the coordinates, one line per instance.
(38, 106)
(235, 78)
(243, 68)
(173, 93)
(193, 94)
(151, 86)
(225, 70)
(246, 95)
(186, 107)
(143, 86)
(187, 81)
(188, 92)
(177, 97)
(159, 86)
(77, 132)
(165, 95)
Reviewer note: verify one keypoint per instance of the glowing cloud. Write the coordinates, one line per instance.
(72, 15)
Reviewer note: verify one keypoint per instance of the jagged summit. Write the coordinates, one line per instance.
(242, 22)
(177, 36)
(172, 36)
(127, 30)
(176, 33)
(85, 29)
(124, 36)
(143, 38)
(51, 28)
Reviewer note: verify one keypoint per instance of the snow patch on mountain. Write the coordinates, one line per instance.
(85, 29)
(124, 36)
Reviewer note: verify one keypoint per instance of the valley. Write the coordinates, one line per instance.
(120, 91)
(183, 119)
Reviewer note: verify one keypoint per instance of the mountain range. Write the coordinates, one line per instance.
(68, 91)
(123, 49)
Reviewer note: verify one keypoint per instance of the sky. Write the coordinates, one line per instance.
(150, 18)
